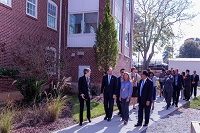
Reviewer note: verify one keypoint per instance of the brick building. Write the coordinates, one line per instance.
(76, 36)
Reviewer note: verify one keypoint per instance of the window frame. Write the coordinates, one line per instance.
(36, 9)
(82, 25)
(56, 17)
(126, 32)
(9, 3)
(120, 30)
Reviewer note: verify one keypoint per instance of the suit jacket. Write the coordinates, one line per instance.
(180, 81)
(83, 87)
(195, 79)
(187, 81)
(146, 91)
(109, 89)
(119, 80)
(168, 87)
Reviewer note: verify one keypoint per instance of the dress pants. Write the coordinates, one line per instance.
(168, 97)
(108, 106)
(176, 95)
(194, 87)
(147, 113)
(82, 108)
(119, 104)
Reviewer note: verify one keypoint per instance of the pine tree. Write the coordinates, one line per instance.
(106, 45)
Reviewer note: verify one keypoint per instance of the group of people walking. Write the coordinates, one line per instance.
(141, 88)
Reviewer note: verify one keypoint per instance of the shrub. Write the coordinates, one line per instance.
(95, 90)
(6, 117)
(54, 107)
(30, 89)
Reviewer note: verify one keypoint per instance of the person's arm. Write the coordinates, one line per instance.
(80, 86)
(115, 86)
(197, 78)
(150, 91)
(130, 90)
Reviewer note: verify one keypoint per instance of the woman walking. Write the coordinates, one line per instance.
(154, 79)
(125, 95)
(135, 77)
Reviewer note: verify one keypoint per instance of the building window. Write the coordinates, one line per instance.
(51, 60)
(31, 8)
(83, 23)
(118, 28)
(127, 38)
(52, 15)
(128, 6)
(6, 2)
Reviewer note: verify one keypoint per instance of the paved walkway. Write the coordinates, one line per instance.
(98, 125)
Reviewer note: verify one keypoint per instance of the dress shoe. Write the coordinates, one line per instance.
(176, 105)
(172, 104)
(80, 124)
(137, 125)
(145, 125)
(89, 120)
(109, 119)
(152, 107)
(105, 118)
(125, 122)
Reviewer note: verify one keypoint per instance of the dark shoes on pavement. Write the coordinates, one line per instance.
(109, 119)
(105, 118)
(80, 124)
(137, 125)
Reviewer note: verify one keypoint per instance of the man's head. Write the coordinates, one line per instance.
(109, 71)
(87, 72)
(194, 72)
(168, 72)
(144, 74)
(163, 70)
(122, 71)
(187, 71)
(176, 71)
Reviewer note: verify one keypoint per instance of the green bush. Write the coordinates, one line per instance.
(95, 90)
(30, 89)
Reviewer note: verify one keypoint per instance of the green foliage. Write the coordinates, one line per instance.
(30, 89)
(190, 49)
(95, 90)
(6, 73)
(106, 45)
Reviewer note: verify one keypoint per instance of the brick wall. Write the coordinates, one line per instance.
(14, 22)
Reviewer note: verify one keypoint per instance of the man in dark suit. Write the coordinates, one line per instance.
(144, 98)
(177, 86)
(84, 94)
(194, 80)
(108, 91)
(168, 88)
(119, 80)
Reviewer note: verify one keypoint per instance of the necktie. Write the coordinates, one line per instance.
(141, 87)
(88, 82)
(109, 79)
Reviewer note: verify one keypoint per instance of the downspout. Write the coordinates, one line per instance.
(59, 43)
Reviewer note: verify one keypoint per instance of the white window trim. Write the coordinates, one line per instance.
(36, 7)
(53, 3)
(71, 13)
(7, 4)
(54, 50)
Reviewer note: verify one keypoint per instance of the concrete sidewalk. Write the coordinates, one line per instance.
(98, 125)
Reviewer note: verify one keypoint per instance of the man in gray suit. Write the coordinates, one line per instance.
(168, 88)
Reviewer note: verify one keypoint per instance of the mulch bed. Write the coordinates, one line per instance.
(65, 120)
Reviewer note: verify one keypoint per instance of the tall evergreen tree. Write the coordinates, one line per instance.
(106, 45)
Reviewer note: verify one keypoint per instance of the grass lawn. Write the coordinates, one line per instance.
(195, 103)
(97, 109)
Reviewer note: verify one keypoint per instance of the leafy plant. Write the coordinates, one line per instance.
(95, 90)
(30, 89)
